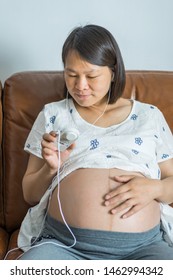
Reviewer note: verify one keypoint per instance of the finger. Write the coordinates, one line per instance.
(49, 137)
(119, 190)
(71, 147)
(133, 210)
(54, 133)
(48, 152)
(65, 154)
(119, 199)
(50, 145)
(123, 206)
(123, 178)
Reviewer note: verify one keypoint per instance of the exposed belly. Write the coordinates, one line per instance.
(82, 199)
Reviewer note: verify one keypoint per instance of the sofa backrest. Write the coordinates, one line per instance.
(24, 96)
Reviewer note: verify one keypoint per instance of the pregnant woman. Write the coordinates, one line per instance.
(100, 198)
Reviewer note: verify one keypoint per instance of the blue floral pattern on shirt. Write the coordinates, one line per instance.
(165, 156)
(138, 140)
(94, 144)
(135, 152)
(52, 119)
(134, 117)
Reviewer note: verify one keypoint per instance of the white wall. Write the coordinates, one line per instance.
(32, 31)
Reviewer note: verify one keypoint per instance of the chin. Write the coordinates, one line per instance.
(84, 101)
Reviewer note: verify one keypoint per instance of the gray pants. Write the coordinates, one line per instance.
(55, 242)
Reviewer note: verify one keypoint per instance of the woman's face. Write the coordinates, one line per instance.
(87, 83)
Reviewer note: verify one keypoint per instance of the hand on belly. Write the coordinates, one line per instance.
(133, 193)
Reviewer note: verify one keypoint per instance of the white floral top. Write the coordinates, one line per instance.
(139, 143)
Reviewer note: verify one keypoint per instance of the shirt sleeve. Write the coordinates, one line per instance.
(164, 148)
(43, 124)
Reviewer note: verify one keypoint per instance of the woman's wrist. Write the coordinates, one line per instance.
(159, 191)
(50, 171)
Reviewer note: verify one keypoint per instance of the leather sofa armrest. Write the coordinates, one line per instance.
(13, 251)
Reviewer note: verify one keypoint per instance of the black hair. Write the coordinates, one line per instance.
(96, 45)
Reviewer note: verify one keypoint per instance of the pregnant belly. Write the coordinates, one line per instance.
(82, 200)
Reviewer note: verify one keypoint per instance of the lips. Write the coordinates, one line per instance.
(83, 96)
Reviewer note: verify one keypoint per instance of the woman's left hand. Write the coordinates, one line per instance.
(134, 193)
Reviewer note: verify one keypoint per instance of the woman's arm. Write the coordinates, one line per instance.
(36, 180)
(40, 172)
(166, 186)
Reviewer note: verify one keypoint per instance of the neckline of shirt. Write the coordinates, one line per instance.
(80, 121)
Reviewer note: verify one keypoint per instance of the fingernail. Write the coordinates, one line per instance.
(106, 203)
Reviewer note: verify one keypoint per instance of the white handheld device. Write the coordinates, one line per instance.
(67, 138)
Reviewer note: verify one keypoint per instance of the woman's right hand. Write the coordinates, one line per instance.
(50, 151)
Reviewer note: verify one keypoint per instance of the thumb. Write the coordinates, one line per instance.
(71, 147)
(68, 150)
(123, 178)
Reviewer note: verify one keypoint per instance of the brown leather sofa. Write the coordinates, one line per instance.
(23, 96)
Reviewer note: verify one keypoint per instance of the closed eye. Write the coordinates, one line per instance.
(88, 77)
(93, 77)
(72, 76)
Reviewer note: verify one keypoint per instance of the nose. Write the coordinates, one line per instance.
(81, 83)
